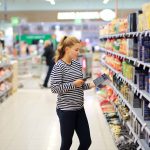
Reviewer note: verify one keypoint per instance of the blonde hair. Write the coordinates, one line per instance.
(66, 41)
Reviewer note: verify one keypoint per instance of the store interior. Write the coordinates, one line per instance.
(115, 39)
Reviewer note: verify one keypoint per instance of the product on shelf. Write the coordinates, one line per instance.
(146, 12)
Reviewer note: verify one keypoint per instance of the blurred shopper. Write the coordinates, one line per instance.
(49, 57)
(67, 81)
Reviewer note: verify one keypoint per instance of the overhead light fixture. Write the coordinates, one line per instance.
(107, 15)
(78, 15)
(105, 1)
(0, 3)
(51, 1)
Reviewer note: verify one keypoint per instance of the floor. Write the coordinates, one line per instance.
(28, 121)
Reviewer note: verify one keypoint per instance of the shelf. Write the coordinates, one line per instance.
(6, 76)
(136, 61)
(126, 35)
(118, 54)
(135, 111)
(2, 65)
(142, 143)
(134, 87)
(5, 92)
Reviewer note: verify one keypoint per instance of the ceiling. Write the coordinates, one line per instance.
(64, 5)
(42, 11)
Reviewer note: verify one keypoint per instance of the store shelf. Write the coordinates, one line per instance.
(126, 35)
(134, 87)
(3, 93)
(6, 76)
(136, 62)
(112, 135)
(142, 143)
(3, 65)
(135, 111)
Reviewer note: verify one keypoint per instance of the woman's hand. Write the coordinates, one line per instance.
(78, 82)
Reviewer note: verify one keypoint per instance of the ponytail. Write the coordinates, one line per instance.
(66, 41)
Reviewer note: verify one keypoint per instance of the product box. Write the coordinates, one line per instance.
(141, 81)
(145, 109)
(146, 49)
(136, 103)
(140, 48)
(132, 22)
(130, 47)
(135, 47)
(147, 83)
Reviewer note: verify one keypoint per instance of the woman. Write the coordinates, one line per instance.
(67, 82)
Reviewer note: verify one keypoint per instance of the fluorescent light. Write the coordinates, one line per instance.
(105, 1)
(51, 1)
(107, 14)
(78, 15)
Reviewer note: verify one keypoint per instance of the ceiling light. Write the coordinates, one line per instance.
(105, 1)
(0, 3)
(51, 1)
(107, 14)
(78, 15)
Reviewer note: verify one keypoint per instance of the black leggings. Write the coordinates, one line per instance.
(71, 121)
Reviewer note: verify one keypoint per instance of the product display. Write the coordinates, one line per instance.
(128, 57)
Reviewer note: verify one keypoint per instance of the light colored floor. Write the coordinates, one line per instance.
(28, 121)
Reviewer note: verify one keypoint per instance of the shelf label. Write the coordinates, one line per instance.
(134, 90)
(143, 127)
(141, 95)
(135, 140)
(139, 147)
(149, 105)
(130, 112)
(146, 33)
(135, 119)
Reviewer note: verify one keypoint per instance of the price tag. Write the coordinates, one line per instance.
(138, 64)
(146, 32)
(134, 91)
(123, 123)
(139, 147)
(130, 112)
(135, 140)
(144, 66)
(135, 119)
(143, 127)
(137, 92)
(140, 95)
(149, 105)
(130, 132)
(134, 62)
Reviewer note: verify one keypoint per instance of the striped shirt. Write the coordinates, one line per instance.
(62, 77)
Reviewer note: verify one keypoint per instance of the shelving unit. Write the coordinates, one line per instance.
(7, 77)
(125, 35)
(142, 93)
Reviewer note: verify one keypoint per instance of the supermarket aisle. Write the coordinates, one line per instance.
(28, 122)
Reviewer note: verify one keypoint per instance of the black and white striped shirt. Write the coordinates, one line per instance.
(62, 77)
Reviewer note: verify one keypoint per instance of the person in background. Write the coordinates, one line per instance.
(67, 81)
(48, 54)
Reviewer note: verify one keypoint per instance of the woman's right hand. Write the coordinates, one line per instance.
(78, 82)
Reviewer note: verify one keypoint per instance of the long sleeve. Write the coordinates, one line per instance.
(57, 86)
(86, 86)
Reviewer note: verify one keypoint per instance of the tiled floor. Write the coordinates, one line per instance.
(28, 121)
